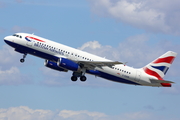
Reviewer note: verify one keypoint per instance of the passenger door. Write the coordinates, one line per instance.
(138, 76)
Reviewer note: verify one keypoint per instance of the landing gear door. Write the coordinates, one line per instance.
(138, 76)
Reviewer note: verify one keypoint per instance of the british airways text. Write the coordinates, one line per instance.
(46, 47)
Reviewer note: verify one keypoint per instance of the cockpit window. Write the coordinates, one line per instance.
(19, 36)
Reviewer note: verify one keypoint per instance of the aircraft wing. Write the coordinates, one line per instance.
(160, 81)
(100, 64)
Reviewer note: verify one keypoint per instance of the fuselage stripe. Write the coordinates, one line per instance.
(33, 39)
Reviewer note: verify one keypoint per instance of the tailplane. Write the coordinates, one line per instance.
(159, 67)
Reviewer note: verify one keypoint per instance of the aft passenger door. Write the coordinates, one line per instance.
(138, 76)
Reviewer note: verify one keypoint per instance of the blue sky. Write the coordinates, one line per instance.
(135, 32)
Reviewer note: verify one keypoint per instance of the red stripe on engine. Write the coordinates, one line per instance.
(165, 60)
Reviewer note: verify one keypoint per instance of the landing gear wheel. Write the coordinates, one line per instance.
(22, 60)
(83, 78)
(74, 78)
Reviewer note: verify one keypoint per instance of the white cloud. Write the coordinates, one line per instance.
(8, 56)
(135, 50)
(162, 16)
(55, 78)
(12, 77)
(9, 68)
(25, 113)
(91, 44)
(78, 115)
(96, 48)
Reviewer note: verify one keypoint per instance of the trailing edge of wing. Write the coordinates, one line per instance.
(99, 63)
(160, 81)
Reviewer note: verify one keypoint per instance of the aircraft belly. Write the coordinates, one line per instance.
(117, 79)
(111, 76)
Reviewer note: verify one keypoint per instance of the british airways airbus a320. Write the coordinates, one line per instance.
(63, 58)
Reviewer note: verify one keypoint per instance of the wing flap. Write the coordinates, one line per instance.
(100, 64)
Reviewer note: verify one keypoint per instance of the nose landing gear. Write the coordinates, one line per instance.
(23, 59)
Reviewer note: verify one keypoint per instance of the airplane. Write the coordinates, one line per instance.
(64, 58)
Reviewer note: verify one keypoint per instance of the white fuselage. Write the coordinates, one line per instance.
(36, 45)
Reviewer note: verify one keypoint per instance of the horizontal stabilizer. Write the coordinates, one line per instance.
(160, 81)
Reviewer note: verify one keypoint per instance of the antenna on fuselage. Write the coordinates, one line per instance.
(125, 63)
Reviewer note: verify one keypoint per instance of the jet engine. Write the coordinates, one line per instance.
(53, 66)
(68, 64)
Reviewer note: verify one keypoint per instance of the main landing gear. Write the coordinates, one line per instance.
(79, 74)
(82, 78)
(23, 59)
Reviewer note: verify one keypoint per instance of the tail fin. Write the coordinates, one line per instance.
(159, 67)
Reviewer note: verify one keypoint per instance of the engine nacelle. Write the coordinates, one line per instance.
(68, 64)
(53, 66)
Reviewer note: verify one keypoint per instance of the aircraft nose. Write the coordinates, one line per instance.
(7, 38)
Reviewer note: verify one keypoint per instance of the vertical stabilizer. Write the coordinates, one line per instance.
(159, 67)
